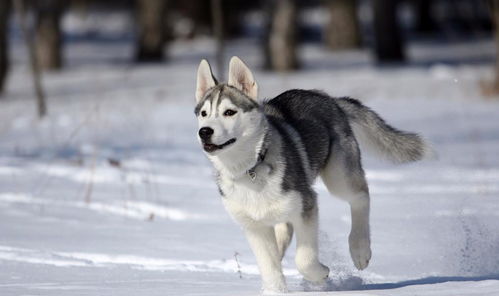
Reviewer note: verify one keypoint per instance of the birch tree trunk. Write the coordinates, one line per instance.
(20, 7)
(280, 43)
(218, 32)
(48, 33)
(342, 29)
(151, 15)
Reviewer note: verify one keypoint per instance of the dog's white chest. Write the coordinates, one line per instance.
(259, 201)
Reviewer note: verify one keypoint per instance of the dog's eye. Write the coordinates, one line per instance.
(229, 112)
(203, 113)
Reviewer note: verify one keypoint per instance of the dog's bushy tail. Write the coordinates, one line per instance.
(372, 132)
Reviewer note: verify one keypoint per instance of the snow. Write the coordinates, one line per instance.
(111, 193)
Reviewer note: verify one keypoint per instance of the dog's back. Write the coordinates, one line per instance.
(322, 121)
(316, 117)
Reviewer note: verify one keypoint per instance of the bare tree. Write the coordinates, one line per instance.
(35, 67)
(218, 32)
(151, 18)
(389, 44)
(342, 29)
(280, 40)
(494, 89)
(4, 57)
(48, 33)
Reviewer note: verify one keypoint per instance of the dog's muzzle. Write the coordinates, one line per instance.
(205, 134)
(210, 147)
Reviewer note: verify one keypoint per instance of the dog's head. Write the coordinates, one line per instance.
(228, 114)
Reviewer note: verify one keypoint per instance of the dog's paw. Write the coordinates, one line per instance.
(274, 287)
(312, 271)
(322, 285)
(360, 250)
(274, 291)
(318, 274)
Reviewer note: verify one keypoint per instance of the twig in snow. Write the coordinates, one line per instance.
(238, 265)
(114, 162)
(90, 185)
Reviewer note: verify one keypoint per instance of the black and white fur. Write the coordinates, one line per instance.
(269, 153)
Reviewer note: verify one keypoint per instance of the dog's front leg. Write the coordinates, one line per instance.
(307, 253)
(264, 245)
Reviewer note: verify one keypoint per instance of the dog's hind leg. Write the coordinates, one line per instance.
(344, 178)
(283, 235)
(307, 261)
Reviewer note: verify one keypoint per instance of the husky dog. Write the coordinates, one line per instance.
(268, 154)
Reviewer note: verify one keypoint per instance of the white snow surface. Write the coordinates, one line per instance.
(111, 194)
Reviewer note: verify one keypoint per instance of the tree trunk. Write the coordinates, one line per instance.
(281, 36)
(424, 19)
(233, 17)
(48, 33)
(389, 44)
(342, 29)
(151, 16)
(218, 32)
(35, 65)
(495, 19)
(4, 57)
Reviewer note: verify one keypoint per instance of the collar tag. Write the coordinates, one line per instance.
(260, 158)
(252, 174)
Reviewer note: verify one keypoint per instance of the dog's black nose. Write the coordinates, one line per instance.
(205, 133)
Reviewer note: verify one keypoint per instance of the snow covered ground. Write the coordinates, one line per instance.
(111, 194)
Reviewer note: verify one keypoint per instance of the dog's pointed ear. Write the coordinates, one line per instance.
(205, 80)
(241, 78)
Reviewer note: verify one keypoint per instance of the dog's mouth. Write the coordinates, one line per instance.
(210, 147)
